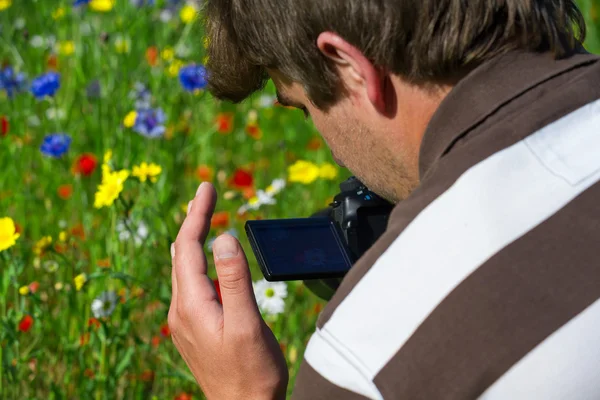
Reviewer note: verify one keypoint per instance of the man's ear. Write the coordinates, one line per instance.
(357, 71)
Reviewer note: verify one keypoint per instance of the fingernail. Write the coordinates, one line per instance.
(200, 188)
(189, 209)
(172, 250)
(225, 247)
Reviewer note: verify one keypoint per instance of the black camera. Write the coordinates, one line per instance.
(321, 249)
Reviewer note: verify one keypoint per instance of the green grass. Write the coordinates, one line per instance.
(61, 356)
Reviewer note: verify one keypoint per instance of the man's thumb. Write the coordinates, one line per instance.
(235, 281)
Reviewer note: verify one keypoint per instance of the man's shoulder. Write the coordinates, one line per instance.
(497, 219)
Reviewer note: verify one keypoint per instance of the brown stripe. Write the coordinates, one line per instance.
(530, 112)
(503, 310)
(310, 385)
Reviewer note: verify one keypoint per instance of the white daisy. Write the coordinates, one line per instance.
(124, 234)
(104, 305)
(275, 187)
(270, 296)
(262, 198)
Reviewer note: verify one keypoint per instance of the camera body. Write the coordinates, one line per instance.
(321, 249)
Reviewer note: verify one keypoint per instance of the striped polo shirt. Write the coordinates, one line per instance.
(486, 283)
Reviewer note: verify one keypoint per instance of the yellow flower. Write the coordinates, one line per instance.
(303, 171)
(42, 245)
(101, 5)
(122, 44)
(328, 171)
(146, 171)
(168, 54)
(130, 118)
(175, 67)
(111, 186)
(188, 13)
(8, 232)
(62, 236)
(107, 156)
(4, 4)
(66, 48)
(79, 281)
(58, 13)
(24, 290)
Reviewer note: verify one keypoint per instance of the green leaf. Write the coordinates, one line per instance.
(125, 361)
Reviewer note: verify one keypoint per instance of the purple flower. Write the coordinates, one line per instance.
(55, 145)
(193, 77)
(12, 82)
(150, 123)
(45, 85)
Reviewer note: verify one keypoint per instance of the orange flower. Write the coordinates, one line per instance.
(25, 323)
(84, 339)
(155, 341)
(147, 376)
(103, 263)
(65, 191)
(314, 144)
(220, 220)
(205, 173)
(248, 193)
(224, 123)
(152, 56)
(52, 61)
(34, 286)
(89, 373)
(254, 131)
(93, 322)
(183, 396)
(78, 231)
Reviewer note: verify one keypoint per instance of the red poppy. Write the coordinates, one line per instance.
(220, 220)
(224, 123)
(4, 126)
(165, 331)
(241, 179)
(254, 131)
(152, 56)
(218, 290)
(85, 164)
(65, 191)
(155, 341)
(26, 323)
(183, 396)
(205, 173)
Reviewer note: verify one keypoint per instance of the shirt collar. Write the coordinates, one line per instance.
(484, 91)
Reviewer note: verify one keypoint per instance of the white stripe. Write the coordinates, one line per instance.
(489, 206)
(564, 366)
(337, 365)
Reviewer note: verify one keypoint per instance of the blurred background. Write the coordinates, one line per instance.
(106, 132)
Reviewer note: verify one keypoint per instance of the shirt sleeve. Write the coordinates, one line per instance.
(330, 371)
(310, 385)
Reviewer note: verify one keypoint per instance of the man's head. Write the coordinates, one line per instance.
(371, 73)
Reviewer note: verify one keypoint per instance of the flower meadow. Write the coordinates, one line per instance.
(106, 131)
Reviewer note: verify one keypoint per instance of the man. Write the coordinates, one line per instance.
(480, 119)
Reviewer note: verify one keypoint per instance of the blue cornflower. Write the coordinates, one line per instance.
(193, 77)
(140, 3)
(55, 145)
(45, 85)
(150, 122)
(142, 96)
(80, 2)
(12, 82)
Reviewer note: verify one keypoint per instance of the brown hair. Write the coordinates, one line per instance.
(421, 40)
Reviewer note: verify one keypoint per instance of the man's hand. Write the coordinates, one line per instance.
(230, 350)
